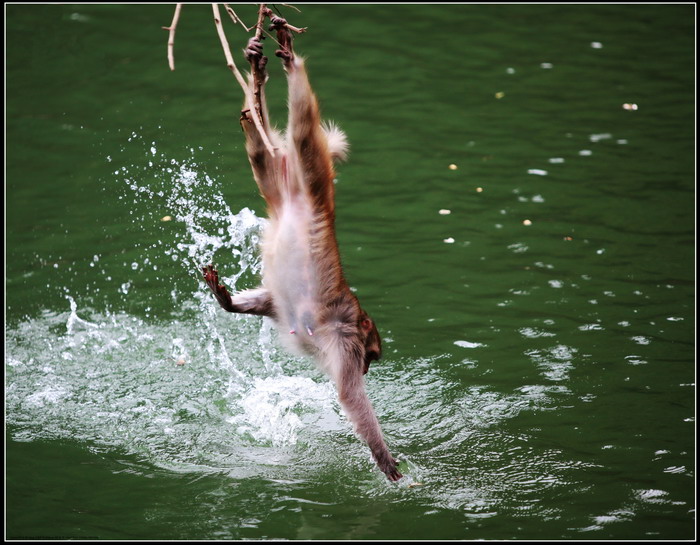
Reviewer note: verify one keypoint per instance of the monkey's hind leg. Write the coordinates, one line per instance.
(306, 138)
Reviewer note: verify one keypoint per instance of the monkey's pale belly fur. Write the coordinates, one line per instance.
(289, 272)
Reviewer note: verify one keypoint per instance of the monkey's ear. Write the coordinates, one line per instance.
(366, 325)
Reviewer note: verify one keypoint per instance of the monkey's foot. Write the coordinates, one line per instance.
(253, 54)
(211, 277)
(284, 37)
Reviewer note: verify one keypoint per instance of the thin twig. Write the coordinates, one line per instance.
(290, 6)
(257, 73)
(232, 66)
(263, 12)
(235, 18)
(171, 36)
(296, 29)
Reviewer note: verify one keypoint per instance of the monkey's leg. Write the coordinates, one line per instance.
(264, 165)
(257, 301)
(357, 406)
(307, 138)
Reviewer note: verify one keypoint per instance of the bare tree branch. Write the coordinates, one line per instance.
(258, 75)
(232, 66)
(171, 36)
(235, 18)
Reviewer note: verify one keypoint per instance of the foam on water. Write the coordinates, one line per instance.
(191, 390)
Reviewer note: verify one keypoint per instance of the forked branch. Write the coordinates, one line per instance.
(246, 89)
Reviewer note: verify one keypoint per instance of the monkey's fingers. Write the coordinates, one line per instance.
(391, 471)
(284, 37)
(211, 277)
(210, 274)
(388, 465)
(254, 49)
(285, 55)
(253, 54)
(394, 475)
(223, 297)
(277, 23)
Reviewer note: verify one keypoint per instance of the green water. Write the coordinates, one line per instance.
(538, 379)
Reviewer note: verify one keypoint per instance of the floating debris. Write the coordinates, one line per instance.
(599, 137)
(537, 171)
(444, 212)
(166, 218)
(596, 45)
(527, 222)
(467, 344)
(640, 339)
(630, 107)
(449, 240)
(479, 189)
(452, 167)
(546, 65)
(500, 94)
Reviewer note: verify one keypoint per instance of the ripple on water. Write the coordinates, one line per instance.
(213, 392)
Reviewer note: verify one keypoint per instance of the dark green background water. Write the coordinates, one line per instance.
(538, 380)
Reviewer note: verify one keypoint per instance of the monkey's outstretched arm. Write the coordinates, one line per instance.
(257, 301)
(265, 166)
(358, 408)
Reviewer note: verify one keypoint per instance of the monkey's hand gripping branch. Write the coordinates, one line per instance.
(284, 39)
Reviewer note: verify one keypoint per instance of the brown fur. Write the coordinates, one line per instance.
(304, 288)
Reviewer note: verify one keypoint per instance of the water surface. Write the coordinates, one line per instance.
(517, 215)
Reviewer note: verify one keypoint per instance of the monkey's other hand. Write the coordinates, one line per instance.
(284, 38)
(393, 474)
(388, 467)
(286, 55)
(277, 23)
(211, 277)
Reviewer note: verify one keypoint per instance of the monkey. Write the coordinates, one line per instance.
(303, 286)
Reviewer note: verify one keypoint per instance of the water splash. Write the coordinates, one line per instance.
(205, 390)
(191, 390)
(195, 202)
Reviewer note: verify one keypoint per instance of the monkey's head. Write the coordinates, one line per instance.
(372, 341)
